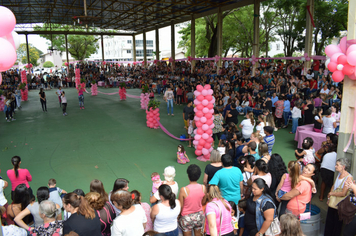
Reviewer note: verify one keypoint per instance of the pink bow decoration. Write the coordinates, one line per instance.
(342, 59)
(170, 59)
(253, 59)
(66, 64)
(190, 59)
(143, 62)
(306, 57)
(29, 65)
(216, 58)
(134, 63)
(104, 63)
(155, 61)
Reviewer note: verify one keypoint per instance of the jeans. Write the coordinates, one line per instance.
(170, 103)
(294, 125)
(81, 100)
(64, 107)
(18, 100)
(172, 233)
(285, 117)
(337, 129)
(44, 105)
(247, 109)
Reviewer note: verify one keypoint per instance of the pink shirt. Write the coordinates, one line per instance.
(192, 203)
(211, 208)
(287, 185)
(23, 178)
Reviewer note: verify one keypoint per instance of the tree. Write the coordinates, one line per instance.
(269, 22)
(79, 46)
(48, 64)
(34, 54)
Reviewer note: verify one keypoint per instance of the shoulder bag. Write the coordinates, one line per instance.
(346, 209)
(274, 228)
(333, 201)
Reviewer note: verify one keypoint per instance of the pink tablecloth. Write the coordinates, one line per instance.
(101, 84)
(307, 131)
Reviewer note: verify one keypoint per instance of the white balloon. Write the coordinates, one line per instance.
(327, 62)
(16, 38)
(340, 67)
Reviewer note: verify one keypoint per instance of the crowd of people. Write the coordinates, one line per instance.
(247, 188)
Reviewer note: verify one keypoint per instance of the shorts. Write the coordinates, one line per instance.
(186, 123)
(327, 176)
(191, 221)
(281, 193)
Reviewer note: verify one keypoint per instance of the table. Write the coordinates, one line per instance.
(101, 84)
(307, 131)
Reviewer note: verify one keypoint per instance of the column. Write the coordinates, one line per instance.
(192, 40)
(173, 44)
(348, 101)
(220, 39)
(67, 56)
(144, 48)
(134, 47)
(256, 33)
(309, 35)
(28, 53)
(157, 43)
(102, 47)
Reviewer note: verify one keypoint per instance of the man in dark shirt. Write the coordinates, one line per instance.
(267, 104)
(186, 111)
(232, 116)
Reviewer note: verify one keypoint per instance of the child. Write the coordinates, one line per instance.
(156, 182)
(81, 90)
(286, 184)
(247, 164)
(242, 205)
(152, 94)
(59, 94)
(296, 114)
(318, 121)
(251, 147)
(306, 156)
(191, 128)
(64, 103)
(182, 157)
(55, 193)
(234, 220)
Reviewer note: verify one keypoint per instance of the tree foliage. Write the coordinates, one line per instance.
(48, 64)
(34, 54)
(79, 46)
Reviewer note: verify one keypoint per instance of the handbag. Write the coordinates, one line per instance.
(333, 201)
(304, 215)
(275, 227)
(347, 209)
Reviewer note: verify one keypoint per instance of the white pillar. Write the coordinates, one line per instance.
(157, 43)
(144, 48)
(134, 47)
(192, 40)
(173, 44)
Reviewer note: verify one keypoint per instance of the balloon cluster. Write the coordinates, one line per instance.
(77, 77)
(342, 60)
(66, 63)
(152, 116)
(104, 63)
(2, 103)
(94, 89)
(204, 111)
(145, 98)
(9, 40)
(29, 66)
(122, 93)
(24, 92)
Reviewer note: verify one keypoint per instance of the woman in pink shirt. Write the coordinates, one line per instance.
(18, 176)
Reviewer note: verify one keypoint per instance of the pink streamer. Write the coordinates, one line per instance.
(353, 132)
(132, 96)
(169, 134)
(108, 93)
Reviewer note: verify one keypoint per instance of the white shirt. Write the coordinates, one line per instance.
(64, 99)
(59, 92)
(166, 219)
(129, 225)
(174, 188)
(259, 127)
(329, 161)
(324, 91)
(328, 125)
(3, 200)
(247, 128)
(310, 76)
(296, 112)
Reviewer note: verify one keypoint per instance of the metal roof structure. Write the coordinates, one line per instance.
(126, 16)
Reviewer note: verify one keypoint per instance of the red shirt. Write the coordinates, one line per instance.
(23, 178)
(316, 65)
(312, 84)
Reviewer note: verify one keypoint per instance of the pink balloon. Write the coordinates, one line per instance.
(196, 118)
(204, 92)
(210, 92)
(205, 110)
(205, 102)
(199, 114)
(332, 49)
(212, 100)
(209, 132)
(207, 146)
(195, 109)
(200, 88)
(197, 137)
(205, 127)
(203, 120)
(332, 66)
(207, 157)
(208, 97)
(200, 131)
(0, 78)
(351, 58)
(195, 142)
(338, 76)
(200, 147)
(207, 87)
(208, 115)
(352, 77)
(342, 59)
(351, 49)
(211, 126)
(205, 136)
(211, 149)
(348, 70)
(195, 131)
(198, 124)
(334, 57)
(202, 142)
(7, 54)
(10, 39)
(200, 107)
(343, 45)
(210, 140)
(205, 151)
(197, 102)
(198, 152)
(208, 122)
(8, 21)
(211, 111)
(196, 93)
(200, 98)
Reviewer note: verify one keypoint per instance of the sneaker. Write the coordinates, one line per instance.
(83, 108)
(13, 119)
(80, 108)
(8, 120)
(64, 114)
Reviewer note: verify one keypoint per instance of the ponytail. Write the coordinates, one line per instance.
(172, 200)
(81, 203)
(15, 160)
(166, 192)
(294, 169)
(252, 119)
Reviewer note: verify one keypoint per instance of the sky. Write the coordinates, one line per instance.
(36, 41)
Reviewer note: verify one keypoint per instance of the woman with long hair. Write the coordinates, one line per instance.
(18, 176)
(83, 219)
(277, 168)
(164, 214)
(261, 171)
(20, 201)
(247, 125)
(218, 210)
(137, 197)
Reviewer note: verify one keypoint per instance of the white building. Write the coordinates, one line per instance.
(55, 57)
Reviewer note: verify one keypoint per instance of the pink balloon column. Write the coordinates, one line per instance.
(24, 92)
(2, 102)
(122, 93)
(77, 77)
(145, 97)
(204, 104)
(152, 116)
(342, 60)
(94, 89)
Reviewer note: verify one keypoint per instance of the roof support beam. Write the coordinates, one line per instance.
(73, 32)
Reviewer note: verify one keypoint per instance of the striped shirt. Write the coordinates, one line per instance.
(270, 142)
